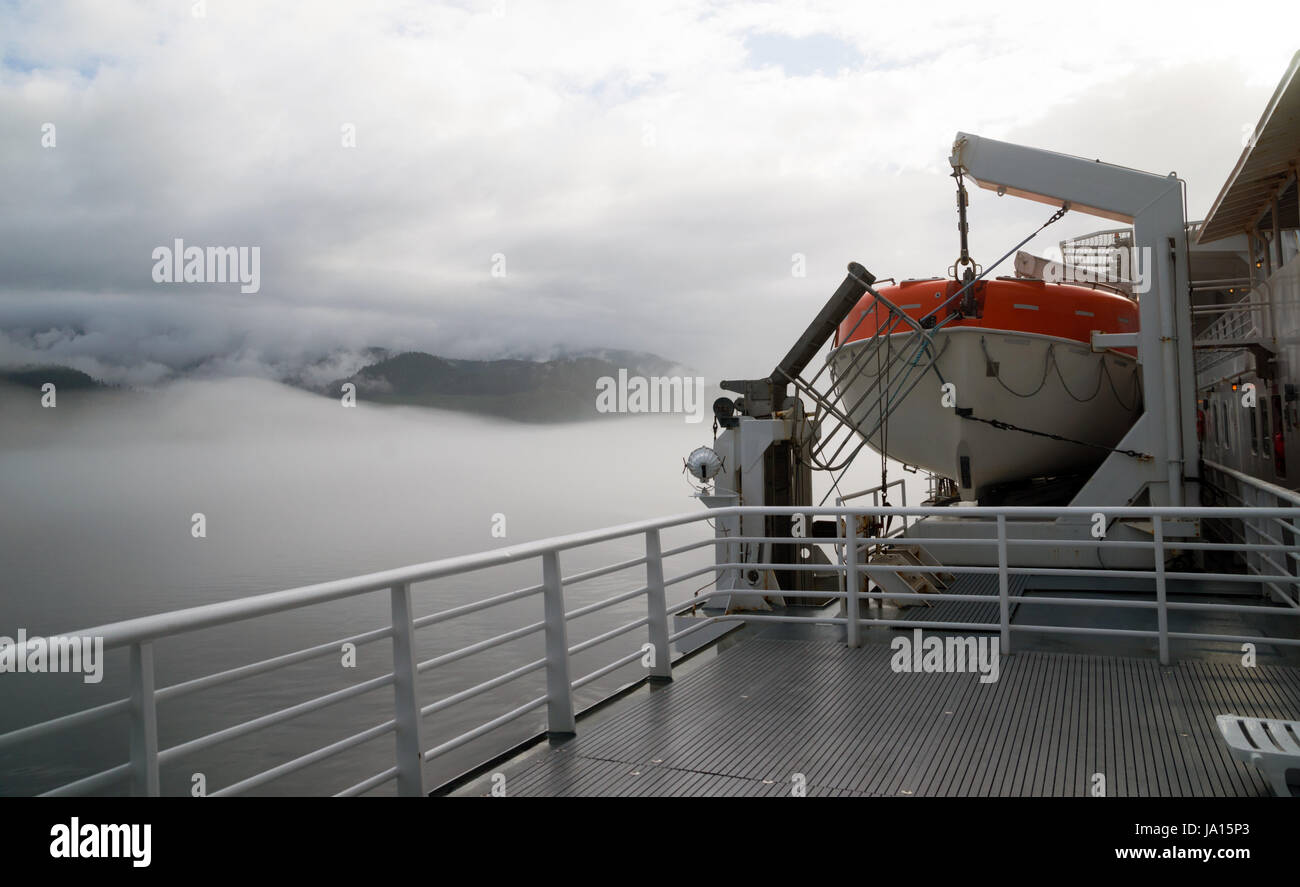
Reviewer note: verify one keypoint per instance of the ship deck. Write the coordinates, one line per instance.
(783, 705)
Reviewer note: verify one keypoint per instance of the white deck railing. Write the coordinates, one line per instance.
(1251, 527)
(1236, 327)
(1269, 542)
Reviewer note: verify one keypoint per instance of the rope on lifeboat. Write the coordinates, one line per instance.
(1050, 362)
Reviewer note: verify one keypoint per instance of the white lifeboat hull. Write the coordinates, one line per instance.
(998, 375)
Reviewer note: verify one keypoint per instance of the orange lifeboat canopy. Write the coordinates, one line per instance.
(1010, 304)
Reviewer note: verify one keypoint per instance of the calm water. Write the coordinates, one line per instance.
(97, 501)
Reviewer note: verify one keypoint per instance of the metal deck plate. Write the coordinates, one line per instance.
(763, 711)
(966, 611)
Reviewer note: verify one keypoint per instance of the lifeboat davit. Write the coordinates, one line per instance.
(1016, 351)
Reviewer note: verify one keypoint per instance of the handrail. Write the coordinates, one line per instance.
(148, 628)
(875, 491)
(1251, 492)
(140, 633)
(1262, 485)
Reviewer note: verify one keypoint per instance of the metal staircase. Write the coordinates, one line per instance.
(1237, 330)
(898, 364)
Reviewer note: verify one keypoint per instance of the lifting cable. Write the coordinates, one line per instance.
(967, 413)
(1055, 217)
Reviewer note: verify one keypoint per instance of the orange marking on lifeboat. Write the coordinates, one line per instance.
(1003, 305)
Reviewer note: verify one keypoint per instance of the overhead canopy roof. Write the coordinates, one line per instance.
(1266, 165)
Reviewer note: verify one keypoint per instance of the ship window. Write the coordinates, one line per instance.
(1254, 429)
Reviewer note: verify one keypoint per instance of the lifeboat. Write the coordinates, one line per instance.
(1016, 352)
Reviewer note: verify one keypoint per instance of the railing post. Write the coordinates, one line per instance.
(406, 701)
(1004, 602)
(1257, 537)
(144, 723)
(851, 580)
(1248, 528)
(735, 554)
(1162, 611)
(559, 686)
(1284, 526)
(657, 607)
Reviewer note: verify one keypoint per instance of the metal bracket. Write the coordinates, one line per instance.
(1105, 341)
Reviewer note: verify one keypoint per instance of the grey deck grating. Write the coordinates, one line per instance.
(967, 611)
(766, 709)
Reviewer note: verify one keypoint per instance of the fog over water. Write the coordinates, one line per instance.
(295, 489)
(98, 496)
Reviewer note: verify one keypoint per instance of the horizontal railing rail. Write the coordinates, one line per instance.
(1257, 535)
(1267, 536)
(1237, 325)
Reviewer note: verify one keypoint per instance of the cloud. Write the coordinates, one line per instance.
(815, 54)
(647, 170)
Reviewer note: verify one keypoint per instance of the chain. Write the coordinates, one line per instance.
(1007, 426)
(963, 229)
(1056, 216)
(971, 280)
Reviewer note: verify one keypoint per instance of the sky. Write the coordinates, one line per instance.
(491, 179)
